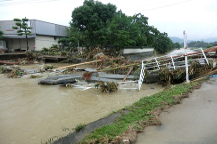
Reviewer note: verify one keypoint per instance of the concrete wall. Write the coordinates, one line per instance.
(138, 50)
(139, 56)
(16, 43)
(137, 53)
(44, 41)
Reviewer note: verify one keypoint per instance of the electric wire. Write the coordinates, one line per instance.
(147, 4)
(163, 6)
(212, 34)
(25, 2)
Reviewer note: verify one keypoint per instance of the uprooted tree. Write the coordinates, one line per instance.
(23, 29)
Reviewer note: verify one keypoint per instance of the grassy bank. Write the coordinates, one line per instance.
(142, 113)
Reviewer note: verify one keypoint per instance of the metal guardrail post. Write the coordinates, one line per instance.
(172, 61)
(142, 75)
(157, 63)
(205, 56)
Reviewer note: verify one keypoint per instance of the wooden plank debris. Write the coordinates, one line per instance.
(74, 65)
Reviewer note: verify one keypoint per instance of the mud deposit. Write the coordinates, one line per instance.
(31, 113)
(194, 121)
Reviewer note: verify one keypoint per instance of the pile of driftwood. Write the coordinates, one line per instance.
(168, 75)
(12, 72)
(107, 87)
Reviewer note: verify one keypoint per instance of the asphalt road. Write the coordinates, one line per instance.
(194, 121)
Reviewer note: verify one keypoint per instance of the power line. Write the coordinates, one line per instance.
(213, 33)
(148, 4)
(4, 0)
(165, 6)
(24, 2)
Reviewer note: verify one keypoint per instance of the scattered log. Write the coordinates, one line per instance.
(74, 65)
(9, 63)
(109, 69)
(78, 64)
(205, 75)
(131, 68)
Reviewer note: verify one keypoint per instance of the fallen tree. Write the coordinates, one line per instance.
(9, 63)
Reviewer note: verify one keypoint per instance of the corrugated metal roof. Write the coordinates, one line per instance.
(38, 28)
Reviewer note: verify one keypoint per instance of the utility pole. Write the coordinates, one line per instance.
(186, 58)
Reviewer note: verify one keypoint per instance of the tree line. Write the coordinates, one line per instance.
(95, 24)
(202, 44)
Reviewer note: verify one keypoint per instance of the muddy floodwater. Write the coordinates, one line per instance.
(31, 113)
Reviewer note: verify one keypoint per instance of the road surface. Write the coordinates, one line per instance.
(194, 121)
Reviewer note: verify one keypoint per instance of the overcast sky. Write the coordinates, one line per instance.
(197, 17)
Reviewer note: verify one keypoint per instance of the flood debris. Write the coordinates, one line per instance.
(48, 67)
(70, 70)
(87, 75)
(16, 73)
(107, 87)
(12, 71)
(35, 76)
(167, 77)
(4, 69)
(69, 85)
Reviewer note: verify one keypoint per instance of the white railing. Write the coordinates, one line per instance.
(142, 75)
(157, 64)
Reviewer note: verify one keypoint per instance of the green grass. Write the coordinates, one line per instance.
(139, 111)
(80, 127)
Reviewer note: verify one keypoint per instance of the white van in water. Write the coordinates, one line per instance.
(3, 47)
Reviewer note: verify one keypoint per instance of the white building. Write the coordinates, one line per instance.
(44, 34)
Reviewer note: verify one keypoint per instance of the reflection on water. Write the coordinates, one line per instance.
(30, 112)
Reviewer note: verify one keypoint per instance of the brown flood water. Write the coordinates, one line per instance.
(30, 112)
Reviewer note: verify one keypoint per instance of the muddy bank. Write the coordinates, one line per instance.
(194, 121)
(30, 112)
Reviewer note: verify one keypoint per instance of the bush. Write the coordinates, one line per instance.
(29, 55)
(44, 50)
(208, 46)
(63, 53)
(80, 127)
